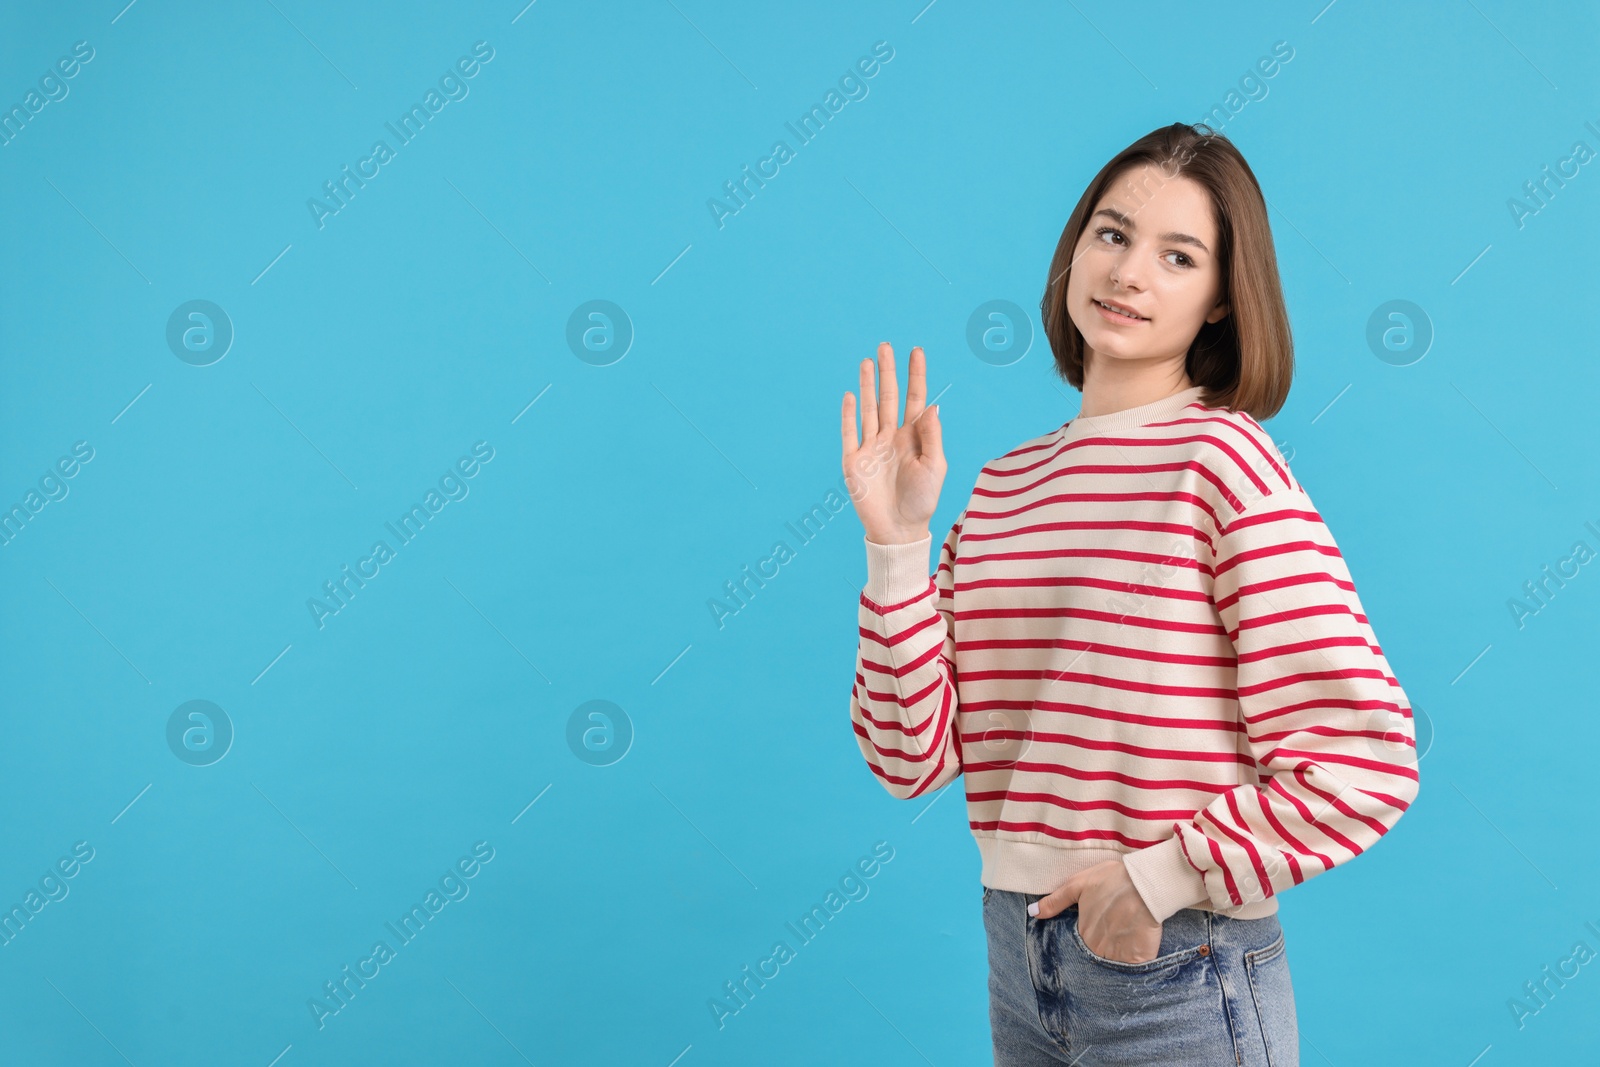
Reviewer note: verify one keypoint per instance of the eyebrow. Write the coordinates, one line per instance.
(1127, 223)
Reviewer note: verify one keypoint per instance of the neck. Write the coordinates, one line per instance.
(1122, 385)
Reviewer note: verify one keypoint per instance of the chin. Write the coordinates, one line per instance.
(1108, 343)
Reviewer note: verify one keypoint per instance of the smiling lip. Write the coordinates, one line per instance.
(1122, 312)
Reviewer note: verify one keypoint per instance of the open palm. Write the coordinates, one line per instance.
(894, 470)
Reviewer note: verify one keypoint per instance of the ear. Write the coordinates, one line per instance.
(1218, 313)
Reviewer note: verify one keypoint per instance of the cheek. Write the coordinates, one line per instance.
(1185, 310)
(1179, 294)
(1075, 283)
(1086, 275)
(1079, 285)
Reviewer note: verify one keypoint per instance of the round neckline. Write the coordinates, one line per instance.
(1131, 418)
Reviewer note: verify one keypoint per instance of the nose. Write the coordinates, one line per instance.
(1126, 276)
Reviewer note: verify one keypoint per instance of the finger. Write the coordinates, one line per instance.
(888, 389)
(1054, 904)
(869, 402)
(916, 384)
(930, 435)
(847, 424)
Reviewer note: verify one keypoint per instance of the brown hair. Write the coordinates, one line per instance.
(1245, 360)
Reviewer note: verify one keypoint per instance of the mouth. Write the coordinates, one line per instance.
(1117, 312)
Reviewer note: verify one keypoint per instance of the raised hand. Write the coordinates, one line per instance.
(894, 470)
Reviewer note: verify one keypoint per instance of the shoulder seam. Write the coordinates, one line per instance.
(1250, 509)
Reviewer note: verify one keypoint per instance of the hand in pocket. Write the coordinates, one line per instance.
(1112, 918)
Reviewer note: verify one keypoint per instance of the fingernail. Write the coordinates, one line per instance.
(1033, 909)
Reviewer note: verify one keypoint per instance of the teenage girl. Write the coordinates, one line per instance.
(1140, 643)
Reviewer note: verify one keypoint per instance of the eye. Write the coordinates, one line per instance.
(1101, 231)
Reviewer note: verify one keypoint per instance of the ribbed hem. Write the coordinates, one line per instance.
(1031, 867)
(897, 572)
(1132, 418)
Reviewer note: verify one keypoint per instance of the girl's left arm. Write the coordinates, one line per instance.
(1326, 720)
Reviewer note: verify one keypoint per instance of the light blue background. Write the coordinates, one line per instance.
(428, 314)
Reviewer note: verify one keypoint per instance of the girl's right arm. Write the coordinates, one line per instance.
(903, 703)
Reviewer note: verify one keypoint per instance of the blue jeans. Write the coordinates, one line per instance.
(1217, 993)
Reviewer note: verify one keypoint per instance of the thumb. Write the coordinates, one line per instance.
(1048, 907)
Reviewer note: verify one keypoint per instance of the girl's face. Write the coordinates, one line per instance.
(1149, 246)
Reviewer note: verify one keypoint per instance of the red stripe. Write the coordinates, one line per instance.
(889, 641)
(1297, 647)
(1076, 498)
(905, 670)
(1127, 652)
(1162, 815)
(1165, 721)
(1324, 731)
(1284, 548)
(1209, 629)
(1298, 775)
(886, 707)
(1166, 560)
(1273, 684)
(1259, 589)
(878, 609)
(934, 777)
(1060, 833)
(905, 755)
(1342, 760)
(1122, 777)
(1086, 744)
(1227, 875)
(1243, 840)
(1320, 704)
(1124, 470)
(1253, 440)
(1283, 833)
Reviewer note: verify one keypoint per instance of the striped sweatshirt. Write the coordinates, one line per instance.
(1139, 642)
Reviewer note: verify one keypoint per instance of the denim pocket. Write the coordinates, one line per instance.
(1171, 959)
(1264, 956)
(986, 891)
(1273, 995)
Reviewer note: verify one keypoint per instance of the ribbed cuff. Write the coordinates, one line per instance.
(897, 572)
(1164, 878)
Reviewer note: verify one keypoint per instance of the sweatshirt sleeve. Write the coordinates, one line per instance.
(903, 704)
(1323, 716)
